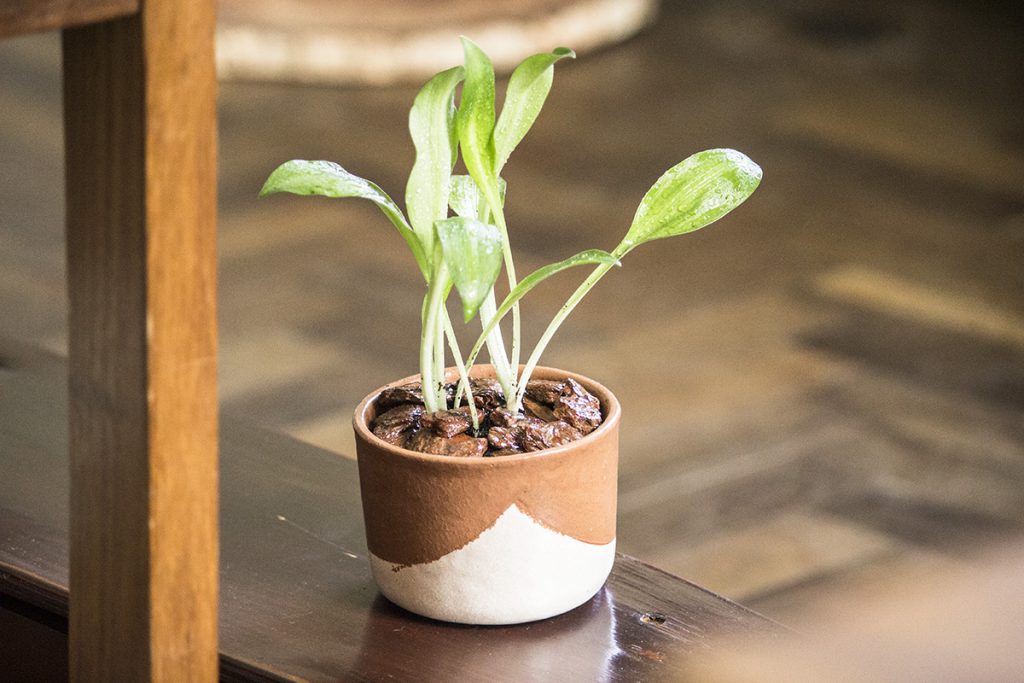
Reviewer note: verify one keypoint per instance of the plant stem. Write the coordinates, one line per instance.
(567, 308)
(510, 271)
(470, 359)
(442, 399)
(433, 303)
(502, 368)
(453, 343)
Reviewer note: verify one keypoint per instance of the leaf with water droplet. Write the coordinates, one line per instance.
(328, 179)
(432, 128)
(465, 196)
(475, 123)
(528, 87)
(588, 257)
(692, 194)
(472, 251)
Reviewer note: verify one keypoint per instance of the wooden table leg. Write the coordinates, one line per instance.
(139, 98)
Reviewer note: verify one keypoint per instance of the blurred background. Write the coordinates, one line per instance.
(822, 391)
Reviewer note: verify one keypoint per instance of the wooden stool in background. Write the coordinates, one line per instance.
(376, 42)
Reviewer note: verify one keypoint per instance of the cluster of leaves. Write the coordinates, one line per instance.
(469, 249)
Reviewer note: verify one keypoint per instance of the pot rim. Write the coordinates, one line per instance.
(609, 404)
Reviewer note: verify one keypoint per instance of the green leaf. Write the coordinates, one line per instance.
(475, 122)
(465, 197)
(590, 256)
(528, 87)
(472, 251)
(328, 179)
(694, 193)
(432, 127)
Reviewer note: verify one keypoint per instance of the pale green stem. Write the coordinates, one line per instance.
(502, 368)
(433, 304)
(453, 343)
(510, 271)
(470, 359)
(439, 378)
(504, 371)
(557, 321)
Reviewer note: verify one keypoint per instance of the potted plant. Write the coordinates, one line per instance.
(489, 490)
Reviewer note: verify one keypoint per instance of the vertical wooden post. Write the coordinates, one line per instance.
(139, 99)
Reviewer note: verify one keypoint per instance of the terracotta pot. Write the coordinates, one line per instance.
(491, 540)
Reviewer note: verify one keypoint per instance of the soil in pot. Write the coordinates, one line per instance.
(555, 412)
(487, 540)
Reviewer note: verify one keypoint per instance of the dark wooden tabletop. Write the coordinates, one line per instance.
(297, 600)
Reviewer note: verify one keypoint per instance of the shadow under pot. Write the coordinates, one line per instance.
(491, 540)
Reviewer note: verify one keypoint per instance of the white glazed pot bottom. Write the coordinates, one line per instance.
(515, 571)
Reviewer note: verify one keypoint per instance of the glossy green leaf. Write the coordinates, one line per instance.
(692, 194)
(475, 121)
(328, 179)
(528, 87)
(472, 251)
(432, 127)
(465, 197)
(588, 257)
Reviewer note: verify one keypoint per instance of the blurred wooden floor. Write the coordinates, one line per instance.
(824, 388)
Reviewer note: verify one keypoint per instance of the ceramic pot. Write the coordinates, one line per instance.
(499, 540)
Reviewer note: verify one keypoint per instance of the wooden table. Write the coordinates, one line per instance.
(297, 600)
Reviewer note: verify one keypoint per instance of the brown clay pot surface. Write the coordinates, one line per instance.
(418, 507)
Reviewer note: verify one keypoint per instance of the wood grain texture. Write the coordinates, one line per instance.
(843, 350)
(298, 602)
(28, 16)
(139, 98)
(104, 105)
(181, 324)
